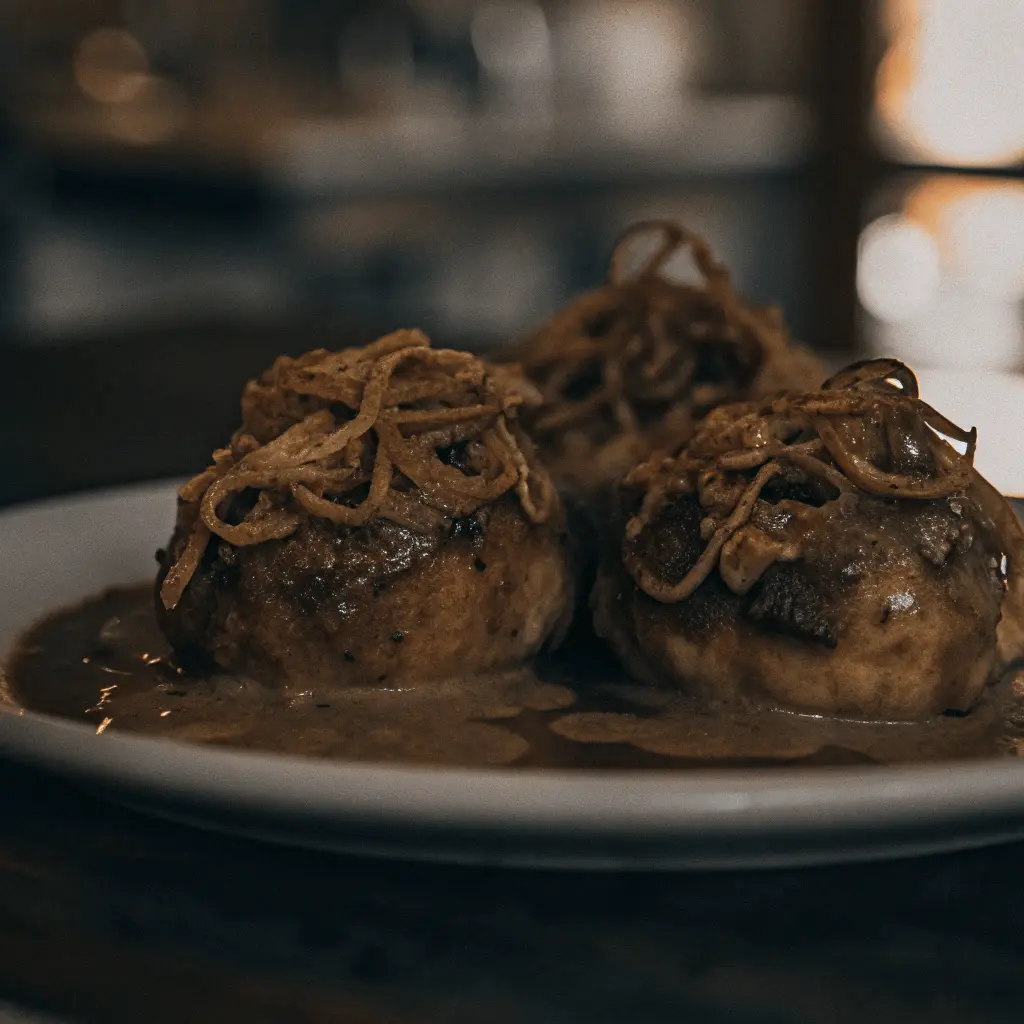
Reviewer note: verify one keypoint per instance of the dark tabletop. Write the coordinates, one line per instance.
(106, 915)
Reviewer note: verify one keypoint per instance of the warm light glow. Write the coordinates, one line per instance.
(898, 271)
(110, 66)
(975, 229)
(928, 202)
(979, 227)
(951, 84)
(986, 232)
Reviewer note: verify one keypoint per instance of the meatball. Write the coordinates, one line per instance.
(828, 551)
(628, 369)
(378, 519)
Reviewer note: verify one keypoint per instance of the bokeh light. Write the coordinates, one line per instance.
(512, 41)
(899, 270)
(986, 230)
(644, 49)
(950, 86)
(110, 66)
(944, 277)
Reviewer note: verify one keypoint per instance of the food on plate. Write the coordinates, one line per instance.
(378, 518)
(831, 551)
(379, 567)
(629, 368)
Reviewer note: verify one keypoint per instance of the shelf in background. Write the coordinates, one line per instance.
(316, 159)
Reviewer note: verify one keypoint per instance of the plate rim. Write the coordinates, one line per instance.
(594, 799)
(969, 802)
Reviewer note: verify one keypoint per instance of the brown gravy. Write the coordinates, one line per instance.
(106, 663)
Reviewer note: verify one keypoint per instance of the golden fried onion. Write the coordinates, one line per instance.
(380, 415)
(826, 435)
(637, 339)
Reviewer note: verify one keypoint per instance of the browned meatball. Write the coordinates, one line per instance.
(851, 565)
(299, 560)
(629, 368)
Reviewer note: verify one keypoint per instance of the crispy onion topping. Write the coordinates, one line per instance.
(358, 434)
(647, 355)
(865, 432)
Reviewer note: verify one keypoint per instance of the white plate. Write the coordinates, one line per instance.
(58, 552)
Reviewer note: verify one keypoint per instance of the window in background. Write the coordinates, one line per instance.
(950, 89)
(941, 273)
(941, 261)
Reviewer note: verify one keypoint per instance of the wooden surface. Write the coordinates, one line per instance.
(106, 915)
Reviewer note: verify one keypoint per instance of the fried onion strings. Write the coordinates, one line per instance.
(865, 432)
(646, 356)
(353, 435)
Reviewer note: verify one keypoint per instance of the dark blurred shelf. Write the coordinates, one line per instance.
(79, 413)
(313, 159)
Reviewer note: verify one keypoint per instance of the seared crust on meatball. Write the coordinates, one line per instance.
(871, 620)
(379, 519)
(378, 604)
(854, 564)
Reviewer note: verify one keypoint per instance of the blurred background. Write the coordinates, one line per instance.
(189, 186)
